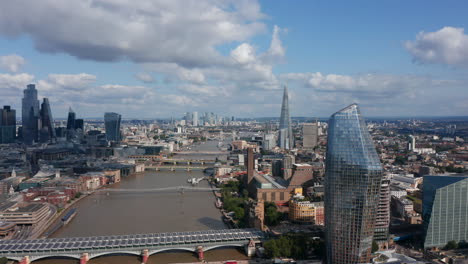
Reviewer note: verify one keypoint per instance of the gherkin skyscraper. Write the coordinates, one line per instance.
(353, 175)
(285, 137)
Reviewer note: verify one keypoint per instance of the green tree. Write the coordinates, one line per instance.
(3, 260)
(239, 213)
(451, 245)
(375, 246)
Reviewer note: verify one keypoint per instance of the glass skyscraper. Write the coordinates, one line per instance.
(47, 122)
(352, 185)
(112, 123)
(285, 137)
(30, 115)
(7, 125)
(445, 209)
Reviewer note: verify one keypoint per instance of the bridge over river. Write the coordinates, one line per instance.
(144, 245)
(167, 189)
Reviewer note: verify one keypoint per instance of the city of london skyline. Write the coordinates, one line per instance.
(236, 60)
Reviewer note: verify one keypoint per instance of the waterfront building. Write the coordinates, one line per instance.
(24, 214)
(30, 115)
(112, 124)
(285, 137)
(445, 209)
(47, 122)
(7, 125)
(306, 212)
(309, 135)
(352, 184)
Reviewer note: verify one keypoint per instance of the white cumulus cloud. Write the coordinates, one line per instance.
(12, 63)
(448, 45)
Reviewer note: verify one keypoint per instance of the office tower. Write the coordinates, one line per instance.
(7, 125)
(445, 209)
(71, 119)
(112, 124)
(309, 135)
(285, 138)
(30, 115)
(47, 122)
(382, 220)
(195, 119)
(79, 124)
(411, 142)
(353, 174)
(250, 165)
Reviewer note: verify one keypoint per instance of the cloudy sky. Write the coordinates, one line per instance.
(161, 58)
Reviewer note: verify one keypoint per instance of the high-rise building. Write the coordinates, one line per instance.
(195, 119)
(71, 119)
(382, 220)
(7, 125)
(445, 209)
(352, 186)
(79, 124)
(285, 137)
(309, 135)
(250, 165)
(30, 115)
(112, 124)
(411, 143)
(47, 122)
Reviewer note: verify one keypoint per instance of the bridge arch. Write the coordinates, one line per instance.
(152, 252)
(123, 252)
(222, 246)
(65, 256)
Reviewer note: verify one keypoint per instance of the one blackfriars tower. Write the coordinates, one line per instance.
(112, 124)
(285, 137)
(352, 183)
(30, 115)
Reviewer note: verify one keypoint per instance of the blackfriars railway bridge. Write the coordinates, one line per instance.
(144, 245)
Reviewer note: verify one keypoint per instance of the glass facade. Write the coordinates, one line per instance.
(285, 137)
(47, 121)
(30, 115)
(112, 123)
(352, 185)
(445, 209)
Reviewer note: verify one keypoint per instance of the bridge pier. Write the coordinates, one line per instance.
(84, 258)
(200, 253)
(250, 248)
(144, 256)
(25, 260)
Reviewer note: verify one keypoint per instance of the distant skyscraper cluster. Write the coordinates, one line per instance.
(205, 119)
(352, 188)
(38, 124)
(285, 137)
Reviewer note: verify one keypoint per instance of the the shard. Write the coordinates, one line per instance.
(285, 137)
(353, 175)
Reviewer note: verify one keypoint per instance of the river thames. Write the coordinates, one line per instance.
(132, 213)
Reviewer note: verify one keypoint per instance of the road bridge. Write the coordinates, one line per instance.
(167, 189)
(144, 245)
(175, 168)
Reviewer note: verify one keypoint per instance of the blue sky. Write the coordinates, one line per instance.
(156, 59)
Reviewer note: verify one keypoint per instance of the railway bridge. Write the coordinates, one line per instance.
(144, 245)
